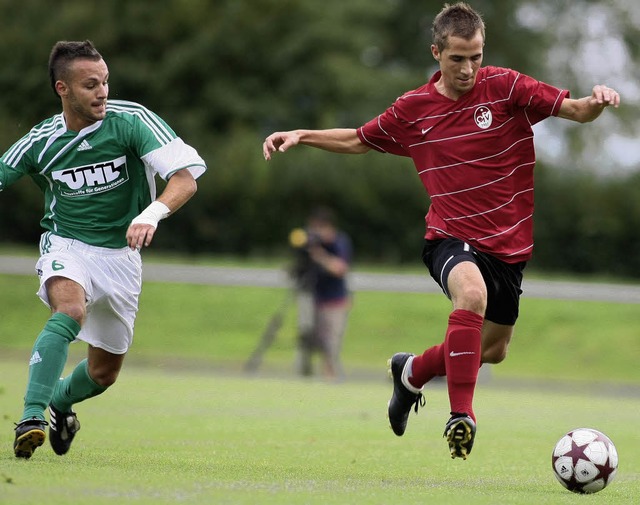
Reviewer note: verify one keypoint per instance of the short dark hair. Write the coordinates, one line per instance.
(63, 53)
(459, 20)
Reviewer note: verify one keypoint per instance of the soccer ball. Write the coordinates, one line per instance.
(584, 461)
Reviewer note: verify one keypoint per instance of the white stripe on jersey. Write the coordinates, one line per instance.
(458, 111)
(488, 211)
(478, 159)
(52, 138)
(480, 239)
(13, 155)
(502, 232)
(369, 141)
(69, 145)
(521, 251)
(150, 120)
(480, 132)
(385, 131)
(485, 184)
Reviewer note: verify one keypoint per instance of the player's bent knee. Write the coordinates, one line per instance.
(77, 312)
(104, 376)
(471, 299)
(495, 354)
(105, 379)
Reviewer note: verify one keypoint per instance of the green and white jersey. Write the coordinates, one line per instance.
(97, 180)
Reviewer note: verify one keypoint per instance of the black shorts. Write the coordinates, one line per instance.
(503, 280)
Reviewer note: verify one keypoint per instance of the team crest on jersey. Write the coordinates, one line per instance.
(483, 117)
(92, 179)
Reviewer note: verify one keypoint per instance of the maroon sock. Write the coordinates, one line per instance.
(428, 365)
(462, 348)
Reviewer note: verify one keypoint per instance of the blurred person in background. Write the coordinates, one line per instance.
(323, 255)
(469, 133)
(95, 163)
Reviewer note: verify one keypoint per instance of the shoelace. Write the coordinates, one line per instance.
(31, 421)
(420, 402)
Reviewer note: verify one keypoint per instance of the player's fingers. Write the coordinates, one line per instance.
(269, 145)
(605, 95)
(614, 97)
(137, 235)
(278, 141)
(267, 148)
(285, 145)
(148, 237)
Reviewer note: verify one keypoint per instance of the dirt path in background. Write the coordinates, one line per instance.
(196, 274)
(359, 281)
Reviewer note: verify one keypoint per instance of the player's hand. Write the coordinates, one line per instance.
(604, 96)
(279, 141)
(140, 235)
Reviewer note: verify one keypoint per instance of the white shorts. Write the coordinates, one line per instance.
(111, 279)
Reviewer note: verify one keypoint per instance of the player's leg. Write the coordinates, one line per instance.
(115, 281)
(463, 341)
(495, 341)
(502, 282)
(49, 355)
(462, 353)
(90, 378)
(410, 373)
(108, 331)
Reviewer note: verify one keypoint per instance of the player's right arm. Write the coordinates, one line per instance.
(335, 140)
(10, 174)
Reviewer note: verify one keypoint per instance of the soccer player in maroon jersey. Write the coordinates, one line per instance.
(469, 133)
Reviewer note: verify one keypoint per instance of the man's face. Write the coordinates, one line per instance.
(459, 64)
(84, 93)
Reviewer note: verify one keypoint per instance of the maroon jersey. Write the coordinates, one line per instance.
(475, 156)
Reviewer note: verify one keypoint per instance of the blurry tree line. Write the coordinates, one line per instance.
(226, 73)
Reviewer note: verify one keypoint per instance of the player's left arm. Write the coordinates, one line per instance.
(180, 187)
(589, 108)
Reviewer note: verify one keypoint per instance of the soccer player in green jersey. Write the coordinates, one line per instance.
(95, 163)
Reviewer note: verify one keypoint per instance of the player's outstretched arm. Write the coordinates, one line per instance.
(336, 140)
(180, 188)
(589, 108)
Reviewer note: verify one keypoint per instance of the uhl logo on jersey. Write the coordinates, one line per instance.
(92, 179)
(483, 117)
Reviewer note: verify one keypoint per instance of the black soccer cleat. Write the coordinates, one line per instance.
(460, 433)
(62, 428)
(402, 399)
(30, 435)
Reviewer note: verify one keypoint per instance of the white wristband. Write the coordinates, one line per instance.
(152, 214)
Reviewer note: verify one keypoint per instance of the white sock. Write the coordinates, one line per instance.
(406, 373)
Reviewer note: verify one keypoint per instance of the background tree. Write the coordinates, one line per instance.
(225, 73)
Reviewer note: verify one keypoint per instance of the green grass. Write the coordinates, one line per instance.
(166, 437)
(563, 340)
(182, 426)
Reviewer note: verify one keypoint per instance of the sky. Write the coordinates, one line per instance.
(590, 45)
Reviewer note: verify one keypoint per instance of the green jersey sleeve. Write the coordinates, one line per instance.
(155, 143)
(20, 159)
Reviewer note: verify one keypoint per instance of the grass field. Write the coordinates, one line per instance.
(161, 437)
(220, 325)
(182, 425)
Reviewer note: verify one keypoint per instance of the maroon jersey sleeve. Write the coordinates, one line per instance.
(383, 133)
(538, 99)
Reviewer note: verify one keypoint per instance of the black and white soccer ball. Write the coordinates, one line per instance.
(585, 460)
